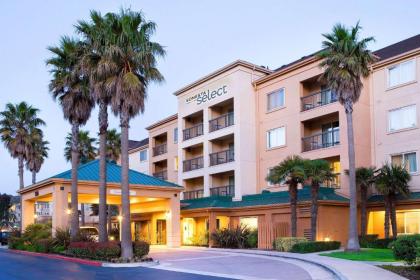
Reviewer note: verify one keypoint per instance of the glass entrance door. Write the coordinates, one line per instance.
(161, 232)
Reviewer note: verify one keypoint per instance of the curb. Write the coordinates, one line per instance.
(58, 257)
(136, 264)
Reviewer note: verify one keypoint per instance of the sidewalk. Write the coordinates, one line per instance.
(343, 269)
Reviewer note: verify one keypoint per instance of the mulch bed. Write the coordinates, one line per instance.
(412, 273)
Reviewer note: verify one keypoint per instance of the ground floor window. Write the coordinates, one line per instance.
(408, 222)
(249, 222)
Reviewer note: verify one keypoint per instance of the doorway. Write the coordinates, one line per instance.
(161, 232)
(142, 231)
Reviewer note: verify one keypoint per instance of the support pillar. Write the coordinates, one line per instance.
(60, 205)
(28, 213)
(173, 222)
(212, 226)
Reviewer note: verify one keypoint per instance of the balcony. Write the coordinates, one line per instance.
(193, 164)
(222, 157)
(223, 191)
(221, 122)
(318, 99)
(160, 149)
(194, 194)
(163, 175)
(322, 140)
(194, 131)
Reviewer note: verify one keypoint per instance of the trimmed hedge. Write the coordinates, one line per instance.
(140, 249)
(366, 240)
(285, 244)
(407, 248)
(315, 246)
(92, 250)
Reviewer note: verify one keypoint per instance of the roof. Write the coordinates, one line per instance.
(262, 199)
(222, 70)
(398, 48)
(90, 172)
(134, 144)
(380, 198)
(163, 121)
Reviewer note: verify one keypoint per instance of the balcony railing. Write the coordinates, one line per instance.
(334, 183)
(322, 140)
(193, 164)
(160, 149)
(222, 157)
(318, 99)
(163, 175)
(193, 194)
(193, 131)
(223, 191)
(221, 122)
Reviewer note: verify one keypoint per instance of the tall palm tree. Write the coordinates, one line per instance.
(391, 181)
(18, 125)
(71, 88)
(86, 148)
(95, 64)
(346, 59)
(291, 172)
(113, 145)
(132, 66)
(317, 171)
(365, 177)
(37, 153)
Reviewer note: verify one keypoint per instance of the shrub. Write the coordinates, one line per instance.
(62, 238)
(407, 248)
(285, 244)
(252, 239)
(315, 246)
(231, 238)
(35, 232)
(44, 245)
(364, 241)
(15, 242)
(83, 236)
(140, 249)
(201, 239)
(93, 250)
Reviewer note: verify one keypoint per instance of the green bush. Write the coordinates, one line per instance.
(35, 232)
(315, 246)
(231, 238)
(382, 243)
(44, 245)
(92, 250)
(407, 248)
(15, 242)
(285, 244)
(201, 239)
(62, 238)
(252, 239)
(140, 249)
(364, 241)
(83, 236)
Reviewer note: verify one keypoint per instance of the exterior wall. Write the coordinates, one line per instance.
(136, 164)
(385, 143)
(295, 122)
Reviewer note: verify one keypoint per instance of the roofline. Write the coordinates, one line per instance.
(161, 122)
(384, 62)
(138, 149)
(220, 71)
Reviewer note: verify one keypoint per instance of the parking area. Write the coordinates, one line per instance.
(235, 265)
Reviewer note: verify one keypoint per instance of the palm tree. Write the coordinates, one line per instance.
(86, 148)
(95, 64)
(391, 181)
(71, 88)
(18, 125)
(37, 152)
(318, 171)
(346, 61)
(292, 173)
(365, 177)
(132, 66)
(113, 145)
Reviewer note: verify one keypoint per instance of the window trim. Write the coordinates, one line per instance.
(276, 108)
(275, 147)
(404, 128)
(147, 155)
(388, 86)
(404, 153)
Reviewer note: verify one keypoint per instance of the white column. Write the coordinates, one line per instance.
(173, 222)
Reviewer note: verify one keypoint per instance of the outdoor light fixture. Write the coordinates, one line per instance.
(327, 239)
(120, 218)
(35, 216)
(167, 214)
(68, 211)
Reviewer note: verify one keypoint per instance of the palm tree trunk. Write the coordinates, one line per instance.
(314, 210)
(393, 215)
(33, 177)
(293, 206)
(82, 214)
(386, 218)
(103, 126)
(109, 220)
(353, 239)
(74, 220)
(21, 184)
(126, 242)
(363, 214)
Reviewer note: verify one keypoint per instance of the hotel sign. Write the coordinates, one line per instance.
(118, 192)
(207, 95)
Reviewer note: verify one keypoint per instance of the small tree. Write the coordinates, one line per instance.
(291, 172)
(365, 177)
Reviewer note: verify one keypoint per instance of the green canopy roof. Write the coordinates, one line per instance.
(265, 198)
(90, 172)
(380, 198)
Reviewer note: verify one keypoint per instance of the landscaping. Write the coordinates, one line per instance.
(302, 245)
(374, 255)
(237, 238)
(412, 273)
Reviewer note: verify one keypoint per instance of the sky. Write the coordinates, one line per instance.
(199, 37)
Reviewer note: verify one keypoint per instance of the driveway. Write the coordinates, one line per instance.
(235, 265)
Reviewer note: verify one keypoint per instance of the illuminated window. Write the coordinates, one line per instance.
(408, 222)
(249, 222)
(176, 163)
(408, 160)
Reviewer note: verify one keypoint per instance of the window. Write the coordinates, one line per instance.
(401, 73)
(176, 163)
(276, 137)
(408, 222)
(275, 99)
(249, 222)
(401, 118)
(143, 155)
(176, 135)
(408, 160)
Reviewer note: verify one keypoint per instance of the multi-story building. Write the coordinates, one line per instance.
(138, 155)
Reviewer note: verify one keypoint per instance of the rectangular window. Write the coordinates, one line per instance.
(176, 163)
(401, 73)
(276, 137)
(275, 99)
(408, 222)
(405, 117)
(408, 160)
(143, 155)
(176, 135)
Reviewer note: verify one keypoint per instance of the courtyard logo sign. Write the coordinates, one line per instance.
(208, 95)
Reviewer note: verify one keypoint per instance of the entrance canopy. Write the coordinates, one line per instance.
(148, 195)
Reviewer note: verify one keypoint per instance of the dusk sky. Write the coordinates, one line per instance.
(199, 37)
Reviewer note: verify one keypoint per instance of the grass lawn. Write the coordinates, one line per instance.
(374, 255)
